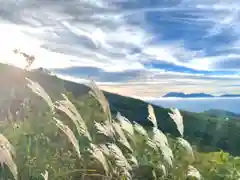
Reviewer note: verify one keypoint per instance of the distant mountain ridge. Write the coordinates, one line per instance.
(197, 95)
(230, 95)
(222, 113)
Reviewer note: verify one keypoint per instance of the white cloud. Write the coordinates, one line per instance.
(155, 84)
(104, 35)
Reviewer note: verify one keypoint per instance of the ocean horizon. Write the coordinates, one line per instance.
(199, 104)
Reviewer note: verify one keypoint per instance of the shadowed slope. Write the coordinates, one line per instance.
(200, 128)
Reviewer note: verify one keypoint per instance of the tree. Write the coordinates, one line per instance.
(29, 58)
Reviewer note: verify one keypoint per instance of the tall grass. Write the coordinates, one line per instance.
(118, 148)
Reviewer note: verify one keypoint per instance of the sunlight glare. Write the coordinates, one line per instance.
(12, 38)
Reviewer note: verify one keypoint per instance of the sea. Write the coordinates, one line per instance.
(231, 104)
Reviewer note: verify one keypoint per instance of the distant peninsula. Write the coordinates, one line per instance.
(197, 95)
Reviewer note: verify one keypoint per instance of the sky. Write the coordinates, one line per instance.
(135, 48)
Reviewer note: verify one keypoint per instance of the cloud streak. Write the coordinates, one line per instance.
(131, 47)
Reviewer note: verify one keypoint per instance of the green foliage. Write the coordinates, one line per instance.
(40, 145)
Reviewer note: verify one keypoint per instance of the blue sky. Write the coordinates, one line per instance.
(136, 48)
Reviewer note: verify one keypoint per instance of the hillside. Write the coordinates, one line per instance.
(230, 95)
(43, 143)
(196, 95)
(223, 114)
(202, 129)
(183, 95)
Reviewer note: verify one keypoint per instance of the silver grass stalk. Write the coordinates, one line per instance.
(45, 175)
(105, 129)
(151, 115)
(178, 119)
(99, 96)
(154, 174)
(186, 145)
(4, 142)
(127, 175)
(71, 111)
(104, 149)
(193, 172)
(71, 105)
(120, 159)
(159, 138)
(139, 129)
(163, 169)
(98, 154)
(151, 144)
(126, 124)
(161, 141)
(167, 155)
(70, 135)
(6, 158)
(134, 160)
(122, 138)
(79, 124)
(38, 89)
(16, 126)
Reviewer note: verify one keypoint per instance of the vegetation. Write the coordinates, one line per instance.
(87, 134)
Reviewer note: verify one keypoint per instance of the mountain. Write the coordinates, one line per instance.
(222, 113)
(230, 95)
(197, 95)
(200, 129)
(183, 95)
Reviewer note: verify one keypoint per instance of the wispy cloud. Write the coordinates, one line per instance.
(137, 48)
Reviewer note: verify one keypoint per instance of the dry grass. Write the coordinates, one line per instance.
(119, 156)
(121, 131)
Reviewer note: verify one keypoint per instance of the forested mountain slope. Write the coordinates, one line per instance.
(206, 131)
